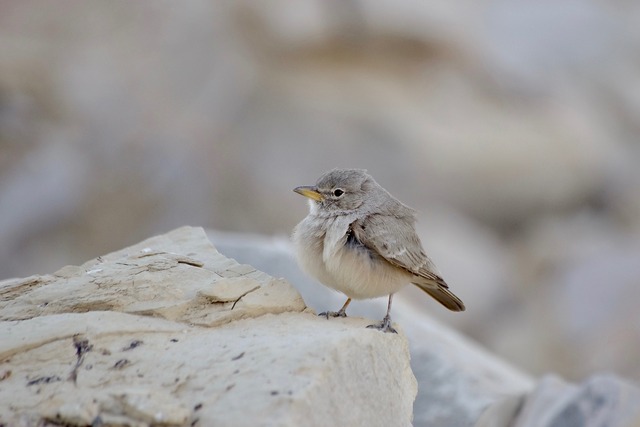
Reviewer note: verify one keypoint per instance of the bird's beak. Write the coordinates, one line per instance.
(310, 192)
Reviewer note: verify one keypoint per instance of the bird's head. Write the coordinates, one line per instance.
(338, 191)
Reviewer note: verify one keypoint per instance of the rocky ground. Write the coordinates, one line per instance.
(171, 332)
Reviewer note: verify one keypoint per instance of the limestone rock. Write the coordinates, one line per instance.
(459, 383)
(170, 332)
(457, 380)
(290, 369)
(178, 276)
(600, 400)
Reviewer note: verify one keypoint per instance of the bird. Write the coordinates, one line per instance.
(361, 241)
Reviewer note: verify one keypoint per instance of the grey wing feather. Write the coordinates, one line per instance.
(396, 240)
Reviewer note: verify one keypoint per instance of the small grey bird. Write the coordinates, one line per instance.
(360, 240)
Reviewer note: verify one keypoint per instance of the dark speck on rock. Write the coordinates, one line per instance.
(121, 364)
(133, 344)
(44, 380)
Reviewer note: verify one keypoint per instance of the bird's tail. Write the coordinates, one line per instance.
(441, 294)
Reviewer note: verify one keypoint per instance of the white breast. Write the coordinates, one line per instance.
(308, 242)
(322, 251)
(359, 274)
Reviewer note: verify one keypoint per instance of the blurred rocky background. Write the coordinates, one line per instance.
(512, 126)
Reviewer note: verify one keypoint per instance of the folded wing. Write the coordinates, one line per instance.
(396, 240)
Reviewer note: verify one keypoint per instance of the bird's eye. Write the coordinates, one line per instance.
(338, 192)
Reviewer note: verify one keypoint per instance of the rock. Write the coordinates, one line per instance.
(457, 380)
(290, 369)
(170, 332)
(600, 400)
(142, 280)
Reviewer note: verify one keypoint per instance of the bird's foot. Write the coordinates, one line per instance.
(384, 325)
(327, 314)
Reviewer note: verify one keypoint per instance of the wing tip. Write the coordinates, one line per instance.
(444, 296)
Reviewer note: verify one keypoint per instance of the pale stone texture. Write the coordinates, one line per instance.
(601, 400)
(178, 276)
(288, 369)
(457, 379)
(459, 383)
(171, 332)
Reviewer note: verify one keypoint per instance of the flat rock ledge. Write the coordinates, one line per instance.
(170, 332)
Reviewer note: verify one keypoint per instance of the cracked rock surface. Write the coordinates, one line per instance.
(171, 332)
(178, 276)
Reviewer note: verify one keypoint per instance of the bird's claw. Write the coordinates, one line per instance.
(384, 325)
(328, 314)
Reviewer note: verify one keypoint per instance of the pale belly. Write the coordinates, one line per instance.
(359, 275)
(350, 269)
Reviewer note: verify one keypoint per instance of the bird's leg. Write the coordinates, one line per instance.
(340, 313)
(385, 325)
